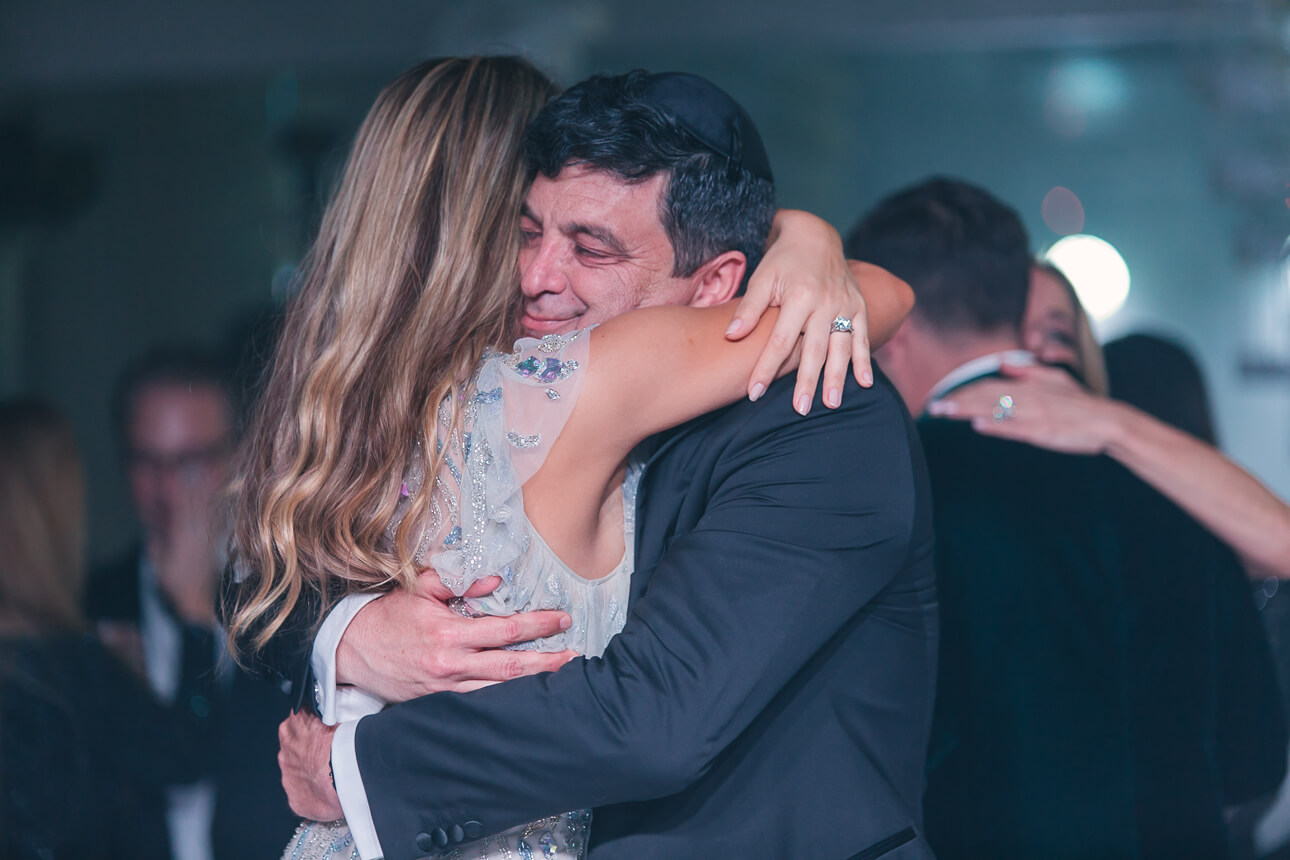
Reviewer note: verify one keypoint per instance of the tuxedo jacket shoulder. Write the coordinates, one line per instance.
(778, 655)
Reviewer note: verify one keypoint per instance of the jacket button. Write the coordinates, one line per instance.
(473, 829)
(455, 833)
(424, 843)
(439, 836)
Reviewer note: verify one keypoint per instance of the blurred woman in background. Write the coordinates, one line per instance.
(1057, 329)
(85, 750)
(1160, 377)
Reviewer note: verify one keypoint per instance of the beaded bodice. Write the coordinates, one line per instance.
(475, 526)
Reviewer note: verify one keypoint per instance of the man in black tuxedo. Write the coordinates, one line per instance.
(1105, 689)
(770, 695)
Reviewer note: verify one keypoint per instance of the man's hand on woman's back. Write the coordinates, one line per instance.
(405, 645)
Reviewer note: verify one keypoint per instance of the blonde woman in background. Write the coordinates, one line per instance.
(1057, 330)
(85, 750)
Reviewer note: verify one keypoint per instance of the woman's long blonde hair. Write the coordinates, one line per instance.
(42, 521)
(412, 278)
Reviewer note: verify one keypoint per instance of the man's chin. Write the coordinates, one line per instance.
(535, 327)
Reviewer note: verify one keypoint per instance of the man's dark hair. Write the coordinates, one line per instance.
(165, 366)
(712, 204)
(964, 252)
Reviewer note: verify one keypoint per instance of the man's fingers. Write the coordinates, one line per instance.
(496, 632)
(483, 587)
(494, 666)
(431, 586)
(304, 749)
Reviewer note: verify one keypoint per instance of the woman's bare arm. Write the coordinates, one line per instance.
(658, 367)
(1052, 411)
(649, 370)
(1222, 496)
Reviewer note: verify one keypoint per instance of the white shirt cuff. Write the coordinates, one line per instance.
(323, 658)
(353, 797)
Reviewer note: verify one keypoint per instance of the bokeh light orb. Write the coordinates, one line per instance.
(1062, 211)
(1096, 270)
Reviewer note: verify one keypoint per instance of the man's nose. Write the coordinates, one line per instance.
(542, 271)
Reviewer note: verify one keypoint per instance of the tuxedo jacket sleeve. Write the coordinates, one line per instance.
(806, 520)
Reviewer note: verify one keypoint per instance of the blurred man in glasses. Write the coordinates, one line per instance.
(175, 413)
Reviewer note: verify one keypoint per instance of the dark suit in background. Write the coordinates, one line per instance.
(85, 753)
(235, 719)
(1105, 686)
(770, 696)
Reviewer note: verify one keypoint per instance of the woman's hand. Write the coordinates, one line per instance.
(1049, 410)
(806, 275)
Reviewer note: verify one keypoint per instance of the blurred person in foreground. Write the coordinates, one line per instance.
(176, 419)
(762, 553)
(1083, 709)
(85, 747)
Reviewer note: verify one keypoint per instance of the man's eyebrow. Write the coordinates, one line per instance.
(601, 234)
(526, 212)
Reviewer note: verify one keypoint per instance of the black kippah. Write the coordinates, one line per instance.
(707, 112)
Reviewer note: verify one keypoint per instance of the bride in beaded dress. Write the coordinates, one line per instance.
(400, 429)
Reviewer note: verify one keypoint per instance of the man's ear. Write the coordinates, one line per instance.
(718, 280)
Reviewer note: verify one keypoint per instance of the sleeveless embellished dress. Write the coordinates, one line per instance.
(476, 527)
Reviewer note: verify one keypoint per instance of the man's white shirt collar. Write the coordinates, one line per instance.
(984, 365)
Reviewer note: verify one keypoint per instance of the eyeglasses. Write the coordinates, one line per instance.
(191, 460)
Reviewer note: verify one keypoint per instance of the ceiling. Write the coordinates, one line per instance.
(87, 42)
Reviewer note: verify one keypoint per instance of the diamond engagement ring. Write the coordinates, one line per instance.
(1005, 409)
(841, 325)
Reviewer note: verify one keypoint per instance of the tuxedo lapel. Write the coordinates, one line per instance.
(664, 485)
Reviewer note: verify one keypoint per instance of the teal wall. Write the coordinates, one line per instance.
(198, 203)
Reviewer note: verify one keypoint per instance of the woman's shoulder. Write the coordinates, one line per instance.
(529, 393)
(543, 360)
